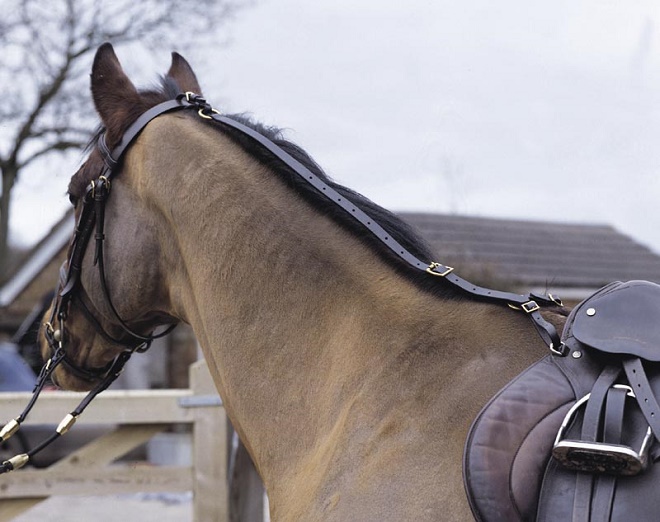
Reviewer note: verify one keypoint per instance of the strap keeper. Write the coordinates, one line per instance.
(560, 351)
(106, 154)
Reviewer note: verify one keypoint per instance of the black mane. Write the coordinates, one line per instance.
(395, 226)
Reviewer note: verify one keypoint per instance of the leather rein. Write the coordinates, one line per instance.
(92, 220)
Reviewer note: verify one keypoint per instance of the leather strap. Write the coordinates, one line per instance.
(113, 158)
(530, 304)
(590, 428)
(612, 430)
(526, 303)
(643, 393)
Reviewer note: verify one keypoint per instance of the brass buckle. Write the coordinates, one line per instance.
(431, 269)
(102, 179)
(206, 116)
(556, 300)
(530, 306)
(600, 457)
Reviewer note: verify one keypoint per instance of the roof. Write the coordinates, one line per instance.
(575, 258)
(37, 260)
(534, 253)
(36, 276)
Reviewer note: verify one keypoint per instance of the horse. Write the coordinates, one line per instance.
(351, 380)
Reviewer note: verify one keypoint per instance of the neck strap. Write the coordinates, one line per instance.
(530, 304)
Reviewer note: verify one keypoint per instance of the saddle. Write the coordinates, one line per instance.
(575, 437)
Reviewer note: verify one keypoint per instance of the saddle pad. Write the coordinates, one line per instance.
(510, 442)
(622, 318)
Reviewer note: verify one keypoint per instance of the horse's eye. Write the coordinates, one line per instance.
(73, 199)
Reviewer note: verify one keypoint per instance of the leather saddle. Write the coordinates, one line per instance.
(575, 437)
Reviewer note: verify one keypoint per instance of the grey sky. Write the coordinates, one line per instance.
(529, 110)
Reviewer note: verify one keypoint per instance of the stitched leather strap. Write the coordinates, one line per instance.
(113, 158)
(530, 304)
(612, 431)
(590, 427)
(643, 393)
(527, 303)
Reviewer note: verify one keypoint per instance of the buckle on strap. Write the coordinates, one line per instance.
(600, 457)
(530, 306)
(444, 270)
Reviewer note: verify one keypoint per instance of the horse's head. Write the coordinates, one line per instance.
(113, 292)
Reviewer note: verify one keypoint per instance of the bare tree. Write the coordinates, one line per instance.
(45, 53)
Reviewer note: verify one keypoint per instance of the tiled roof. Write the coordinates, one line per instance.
(37, 259)
(518, 253)
(534, 253)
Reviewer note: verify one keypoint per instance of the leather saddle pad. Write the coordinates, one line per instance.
(510, 443)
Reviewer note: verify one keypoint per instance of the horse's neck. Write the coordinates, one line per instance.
(311, 338)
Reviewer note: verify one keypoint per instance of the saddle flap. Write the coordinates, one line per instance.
(622, 318)
(509, 444)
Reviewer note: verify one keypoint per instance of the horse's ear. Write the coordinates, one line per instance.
(181, 72)
(113, 93)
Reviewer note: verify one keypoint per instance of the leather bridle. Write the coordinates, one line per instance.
(92, 220)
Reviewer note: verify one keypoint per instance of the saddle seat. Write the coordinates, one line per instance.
(612, 347)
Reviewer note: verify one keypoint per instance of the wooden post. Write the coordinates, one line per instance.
(210, 496)
(246, 501)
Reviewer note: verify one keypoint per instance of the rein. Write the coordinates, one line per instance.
(92, 220)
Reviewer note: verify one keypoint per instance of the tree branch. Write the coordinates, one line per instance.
(59, 146)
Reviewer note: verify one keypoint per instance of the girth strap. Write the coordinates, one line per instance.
(590, 429)
(639, 382)
(612, 431)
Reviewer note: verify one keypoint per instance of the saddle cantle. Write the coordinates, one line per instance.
(574, 438)
(622, 318)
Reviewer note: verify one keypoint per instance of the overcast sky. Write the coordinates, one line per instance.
(529, 110)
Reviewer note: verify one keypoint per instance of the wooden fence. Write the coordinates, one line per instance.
(138, 416)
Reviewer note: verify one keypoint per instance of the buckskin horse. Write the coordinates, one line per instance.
(351, 377)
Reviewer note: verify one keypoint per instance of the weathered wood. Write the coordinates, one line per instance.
(140, 415)
(10, 509)
(109, 447)
(99, 452)
(210, 493)
(182, 352)
(113, 406)
(94, 481)
(246, 496)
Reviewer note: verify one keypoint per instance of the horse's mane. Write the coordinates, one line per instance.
(395, 226)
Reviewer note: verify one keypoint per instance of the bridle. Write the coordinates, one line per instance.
(92, 219)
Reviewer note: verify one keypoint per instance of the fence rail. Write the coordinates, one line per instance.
(138, 415)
